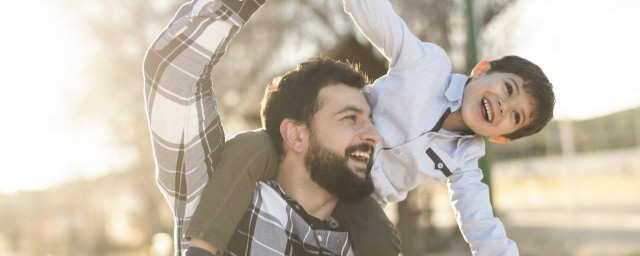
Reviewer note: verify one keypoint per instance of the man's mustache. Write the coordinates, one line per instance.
(360, 147)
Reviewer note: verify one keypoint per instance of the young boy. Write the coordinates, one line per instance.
(432, 124)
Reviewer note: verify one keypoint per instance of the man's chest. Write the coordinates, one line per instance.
(273, 226)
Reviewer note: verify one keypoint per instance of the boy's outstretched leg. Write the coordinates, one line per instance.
(371, 232)
(247, 158)
(180, 101)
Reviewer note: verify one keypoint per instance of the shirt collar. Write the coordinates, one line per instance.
(455, 89)
(453, 93)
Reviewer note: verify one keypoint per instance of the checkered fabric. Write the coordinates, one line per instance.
(180, 103)
(275, 224)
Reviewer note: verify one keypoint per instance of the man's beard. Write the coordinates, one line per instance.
(331, 171)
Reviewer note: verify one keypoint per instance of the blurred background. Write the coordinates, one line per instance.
(78, 174)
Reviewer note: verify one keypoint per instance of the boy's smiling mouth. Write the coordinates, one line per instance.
(487, 113)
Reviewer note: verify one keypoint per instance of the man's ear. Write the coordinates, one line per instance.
(499, 139)
(293, 135)
(481, 68)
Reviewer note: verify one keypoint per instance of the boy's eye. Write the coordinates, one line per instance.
(516, 116)
(509, 89)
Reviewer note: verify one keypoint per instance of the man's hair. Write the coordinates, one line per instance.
(536, 85)
(294, 95)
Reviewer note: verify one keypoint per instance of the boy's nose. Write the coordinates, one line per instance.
(503, 106)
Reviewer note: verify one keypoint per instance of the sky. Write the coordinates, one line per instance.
(588, 48)
(42, 55)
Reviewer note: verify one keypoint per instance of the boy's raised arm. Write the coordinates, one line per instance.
(471, 205)
(377, 20)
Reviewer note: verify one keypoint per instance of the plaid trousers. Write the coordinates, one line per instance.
(180, 102)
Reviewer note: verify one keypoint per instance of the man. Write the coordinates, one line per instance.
(311, 175)
(293, 215)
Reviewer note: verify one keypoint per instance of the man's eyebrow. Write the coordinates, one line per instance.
(349, 109)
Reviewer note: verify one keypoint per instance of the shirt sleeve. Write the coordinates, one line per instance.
(180, 103)
(408, 100)
(471, 204)
(380, 24)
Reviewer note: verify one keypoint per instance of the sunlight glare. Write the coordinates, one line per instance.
(44, 142)
(588, 54)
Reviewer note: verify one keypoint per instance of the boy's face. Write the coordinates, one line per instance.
(495, 104)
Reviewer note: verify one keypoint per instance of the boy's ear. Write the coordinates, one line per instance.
(499, 139)
(293, 135)
(481, 68)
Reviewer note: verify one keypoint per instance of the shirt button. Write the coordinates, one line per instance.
(440, 165)
(320, 238)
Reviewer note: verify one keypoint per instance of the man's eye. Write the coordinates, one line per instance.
(509, 89)
(516, 115)
(352, 118)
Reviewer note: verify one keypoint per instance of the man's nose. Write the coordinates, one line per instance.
(370, 133)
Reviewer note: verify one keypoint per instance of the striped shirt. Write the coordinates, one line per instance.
(180, 103)
(275, 224)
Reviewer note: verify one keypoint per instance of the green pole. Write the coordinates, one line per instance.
(472, 48)
(472, 59)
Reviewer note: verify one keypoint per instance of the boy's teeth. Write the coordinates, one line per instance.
(485, 103)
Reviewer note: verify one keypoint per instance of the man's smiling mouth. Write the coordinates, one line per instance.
(486, 110)
(362, 156)
(360, 153)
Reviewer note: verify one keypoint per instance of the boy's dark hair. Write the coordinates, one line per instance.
(294, 95)
(537, 85)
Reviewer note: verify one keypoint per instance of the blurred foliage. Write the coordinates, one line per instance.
(279, 36)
